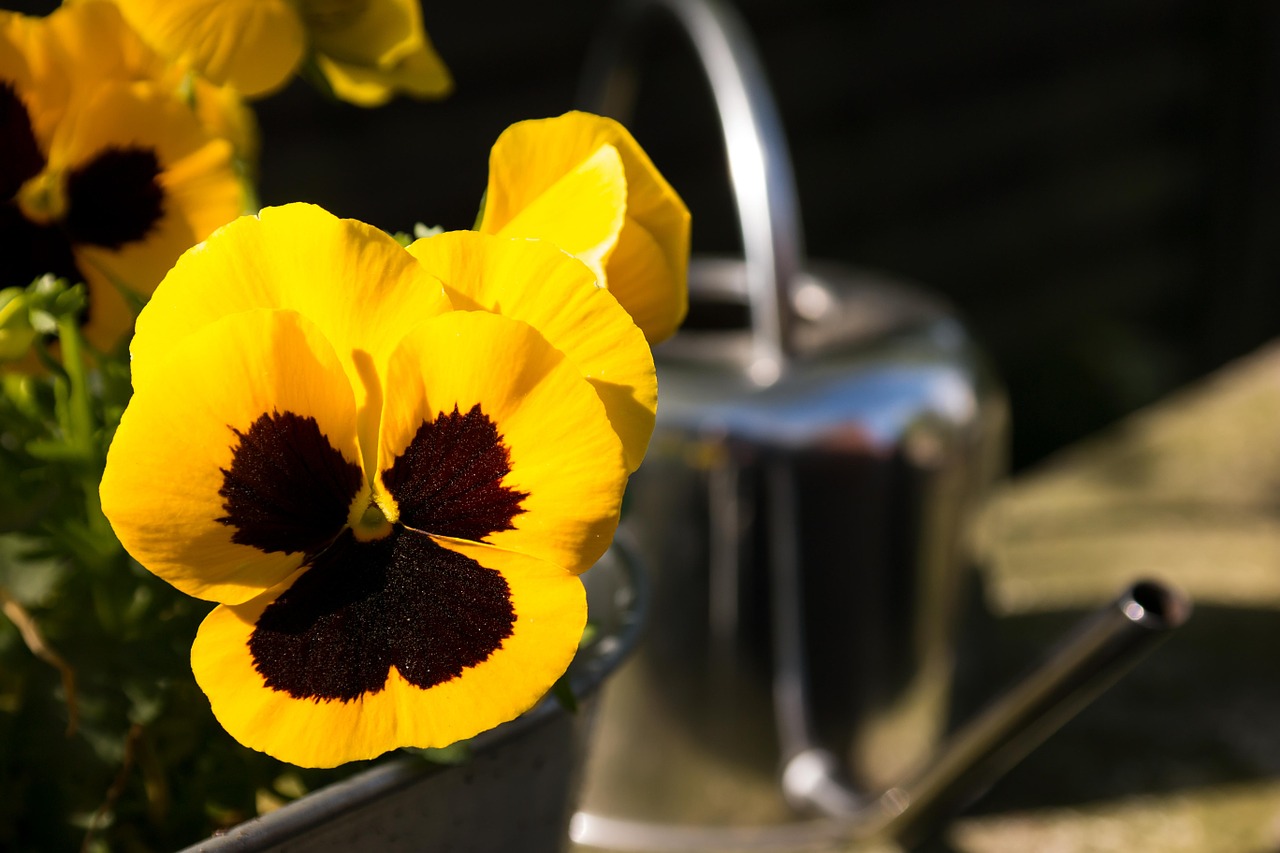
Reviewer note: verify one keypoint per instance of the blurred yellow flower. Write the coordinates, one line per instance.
(582, 182)
(391, 499)
(105, 179)
(367, 50)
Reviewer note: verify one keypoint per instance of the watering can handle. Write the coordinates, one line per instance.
(759, 164)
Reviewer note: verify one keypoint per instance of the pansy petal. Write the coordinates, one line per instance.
(492, 435)
(396, 642)
(255, 45)
(530, 156)
(356, 283)
(238, 458)
(635, 265)
(31, 62)
(98, 44)
(535, 282)
(376, 52)
(582, 212)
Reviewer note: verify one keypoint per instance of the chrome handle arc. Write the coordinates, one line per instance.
(760, 172)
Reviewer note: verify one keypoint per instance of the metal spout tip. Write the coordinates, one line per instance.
(1155, 605)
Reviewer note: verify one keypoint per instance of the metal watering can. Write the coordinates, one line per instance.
(800, 514)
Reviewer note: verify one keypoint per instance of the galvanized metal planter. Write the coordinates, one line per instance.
(516, 792)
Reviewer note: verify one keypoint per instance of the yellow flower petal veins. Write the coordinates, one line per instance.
(539, 284)
(253, 45)
(369, 50)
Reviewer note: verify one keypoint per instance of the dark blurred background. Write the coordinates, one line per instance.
(1093, 183)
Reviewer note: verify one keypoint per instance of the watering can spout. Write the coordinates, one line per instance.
(1100, 650)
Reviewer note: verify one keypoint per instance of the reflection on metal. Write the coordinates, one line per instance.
(800, 512)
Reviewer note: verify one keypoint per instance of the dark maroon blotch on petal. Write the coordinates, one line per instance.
(288, 489)
(448, 481)
(363, 607)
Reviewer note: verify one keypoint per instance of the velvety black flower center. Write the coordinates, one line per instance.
(288, 489)
(364, 607)
(448, 481)
(113, 199)
(400, 600)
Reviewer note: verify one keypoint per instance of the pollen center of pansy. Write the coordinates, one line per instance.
(372, 524)
(115, 198)
(43, 199)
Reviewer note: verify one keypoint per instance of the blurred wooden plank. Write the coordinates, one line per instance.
(1187, 490)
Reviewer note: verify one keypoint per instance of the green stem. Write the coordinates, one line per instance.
(80, 432)
(79, 409)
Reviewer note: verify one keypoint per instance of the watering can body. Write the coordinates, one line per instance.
(822, 435)
(852, 473)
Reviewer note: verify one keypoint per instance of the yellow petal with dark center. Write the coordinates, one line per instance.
(535, 282)
(357, 284)
(194, 181)
(377, 647)
(255, 45)
(378, 50)
(237, 459)
(490, 434)
(529, 157)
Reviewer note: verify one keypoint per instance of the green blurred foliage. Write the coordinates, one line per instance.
(126, 755)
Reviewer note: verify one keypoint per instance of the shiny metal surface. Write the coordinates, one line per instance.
(759, 165)
(822, 435)
(803, 537)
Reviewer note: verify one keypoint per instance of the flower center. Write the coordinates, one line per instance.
(372, 524)
(43, 199)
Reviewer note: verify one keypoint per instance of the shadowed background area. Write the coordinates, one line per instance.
(1092, 184)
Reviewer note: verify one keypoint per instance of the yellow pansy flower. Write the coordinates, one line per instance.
(390, 498)
(582, 182)
(96, 40)
(368, 50)
(104, 181)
